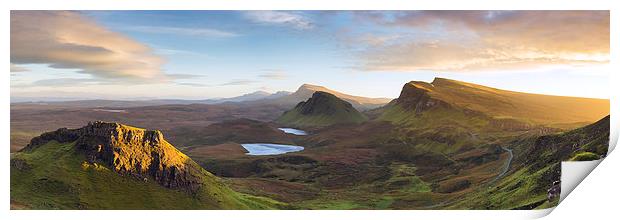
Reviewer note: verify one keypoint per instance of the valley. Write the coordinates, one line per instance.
(440, 145)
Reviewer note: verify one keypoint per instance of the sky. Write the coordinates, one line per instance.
(215, 54)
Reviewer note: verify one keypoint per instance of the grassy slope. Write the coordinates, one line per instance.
(593, 141)
(429, 119)
(58, 178)
(526, 186)
(458, 128)
(294, 118)
(402, 184)
(585, 156)
(519, 189)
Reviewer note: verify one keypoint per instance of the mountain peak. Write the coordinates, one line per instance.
(312, 87)
(437, 81)
(322, 109)
(306, 90)
(322, 103)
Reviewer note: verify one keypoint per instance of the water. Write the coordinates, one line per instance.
(110, 110)
(270, 149)
(293, 131)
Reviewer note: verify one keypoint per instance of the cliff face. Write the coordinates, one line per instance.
(130, 151)
(415, 96)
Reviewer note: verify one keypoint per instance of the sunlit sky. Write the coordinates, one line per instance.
(211, 54)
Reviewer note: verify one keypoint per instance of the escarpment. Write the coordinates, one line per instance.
(130, 151)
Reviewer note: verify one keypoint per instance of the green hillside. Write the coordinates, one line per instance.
(130, 169)
(447, 115)
(526, 187)
(322, 109)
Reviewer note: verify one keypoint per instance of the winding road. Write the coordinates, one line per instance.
(507, 165)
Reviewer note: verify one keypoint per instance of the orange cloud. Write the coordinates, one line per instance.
(65, 39)
(481, 40)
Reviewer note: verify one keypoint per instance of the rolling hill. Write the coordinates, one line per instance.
(114, 166)
(322, 109)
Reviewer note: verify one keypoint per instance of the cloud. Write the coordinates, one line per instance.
(193, 84)
(239, 82)
(185, 76)
(63, 82)
(295, 20)
(273, 74)
(16, 68)
(70, 82)
(195, 32)
(168, 52)
(484, 40)
(69, 40)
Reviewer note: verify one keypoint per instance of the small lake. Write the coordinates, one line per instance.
(270, 149)
(110, 110)
(293, 131)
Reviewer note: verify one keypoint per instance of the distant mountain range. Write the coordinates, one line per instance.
(259, 95)
(282, 98)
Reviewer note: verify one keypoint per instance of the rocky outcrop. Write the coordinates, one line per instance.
(140, 153)
(20, 164)
(415, 97)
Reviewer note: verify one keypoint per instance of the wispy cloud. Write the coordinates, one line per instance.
(16, 68)
(239, 82)
(484, 40)
(185, 76)
(71, 82)
(293, 19)
(164, 51)
(187, 31)
(273, 74)
(69, 40)
(193, 84)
